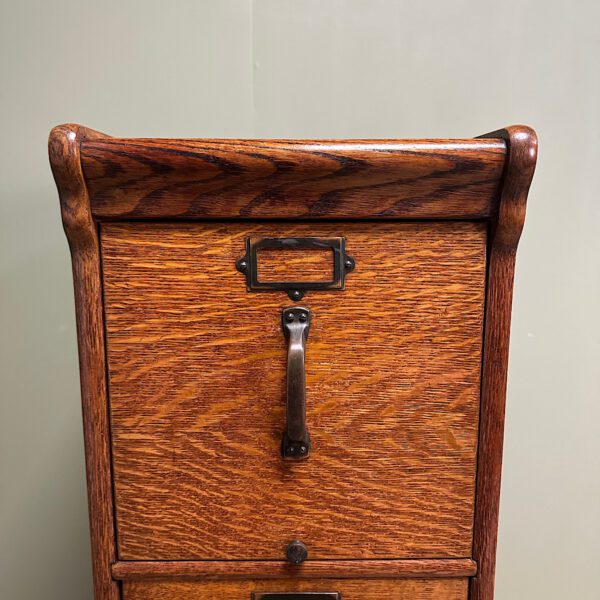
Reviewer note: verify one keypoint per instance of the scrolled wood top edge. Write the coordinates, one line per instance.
(162, 178)
(522, 151)
(484, 142)
(64, 154)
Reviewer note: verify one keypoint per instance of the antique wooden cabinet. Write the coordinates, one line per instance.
(293, 361)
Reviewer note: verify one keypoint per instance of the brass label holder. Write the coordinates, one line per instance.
(342, 264)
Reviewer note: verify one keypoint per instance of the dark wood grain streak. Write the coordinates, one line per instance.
(83, 241)
(351, 589)
(311, 569)
(353, 179)
(522, 154)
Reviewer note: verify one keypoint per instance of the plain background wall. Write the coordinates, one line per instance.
(308, 68)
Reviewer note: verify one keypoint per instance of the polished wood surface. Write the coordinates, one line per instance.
(367, 589)
(522, 144)
(351, 179)
(197, 377)
(81, 231)
(102, 179)
(275, 265)
(311, 569)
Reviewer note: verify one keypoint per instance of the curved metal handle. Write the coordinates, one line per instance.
(295, 322)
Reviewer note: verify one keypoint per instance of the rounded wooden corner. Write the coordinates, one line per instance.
(522, 147)
(64, 153)
(522, 153)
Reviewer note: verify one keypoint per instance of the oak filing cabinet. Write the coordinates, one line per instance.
(293, 361)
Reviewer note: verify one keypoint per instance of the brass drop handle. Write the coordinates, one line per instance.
(295, 322)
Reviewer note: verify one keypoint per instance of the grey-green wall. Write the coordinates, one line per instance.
(308, 68)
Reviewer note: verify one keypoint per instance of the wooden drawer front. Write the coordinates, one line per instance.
(373, 589)
(197, 369)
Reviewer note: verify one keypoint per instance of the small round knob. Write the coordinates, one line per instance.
(296, 552)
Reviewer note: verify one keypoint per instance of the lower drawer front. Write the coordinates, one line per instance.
(349, 589)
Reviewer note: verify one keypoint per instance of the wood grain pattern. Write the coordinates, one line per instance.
(352, 179)
(522, 144)
(197, 377)
(311, 569)
(414, 482)
(368, 589)
(81, 231)
(294, 265)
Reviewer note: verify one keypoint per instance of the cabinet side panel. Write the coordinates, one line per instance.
(82, 235)
(522, 155)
